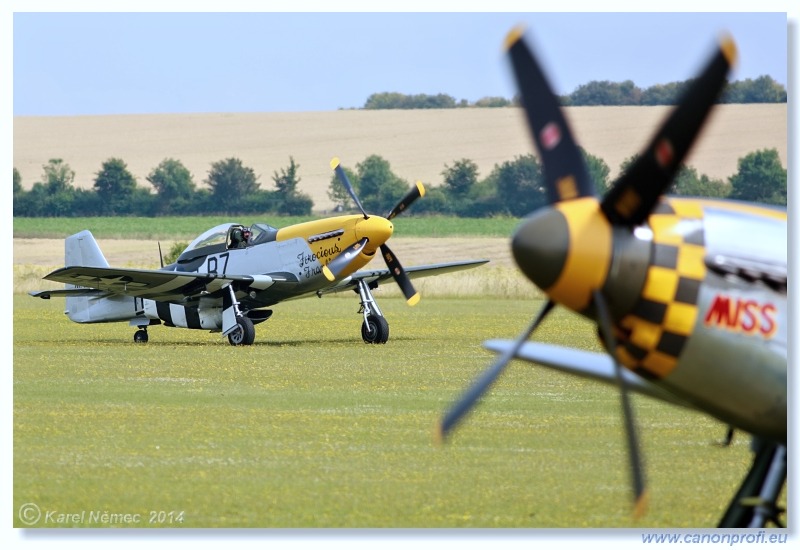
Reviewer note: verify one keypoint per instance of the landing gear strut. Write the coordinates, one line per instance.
(375, 328)
(756, 501)
(242, 333)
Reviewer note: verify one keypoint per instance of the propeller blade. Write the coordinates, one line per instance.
(340, 173)
(479, 387)
(337, 265)
(400, 276)
(633, 197)
(566, 176)
(637, 470)
(416, 192)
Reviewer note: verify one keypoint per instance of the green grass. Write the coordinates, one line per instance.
(310, 427)
(188, 227)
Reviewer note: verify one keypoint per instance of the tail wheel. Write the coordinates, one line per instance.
(140, 336)
(375, 330)
(245, 333)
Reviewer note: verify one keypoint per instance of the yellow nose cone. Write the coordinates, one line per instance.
(376, 229)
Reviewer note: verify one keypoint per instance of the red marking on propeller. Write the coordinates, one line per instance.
(664, 153)
(550, 136)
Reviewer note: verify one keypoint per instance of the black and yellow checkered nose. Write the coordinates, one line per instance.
(566, 251)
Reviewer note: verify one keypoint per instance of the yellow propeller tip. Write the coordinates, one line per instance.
(421, 189)
(334, 163)
(328, 274)
(438, 434)
(728, 47)
(514, 36)
(640, 506)
(414, 299)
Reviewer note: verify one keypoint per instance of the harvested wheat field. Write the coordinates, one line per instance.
(417, 143)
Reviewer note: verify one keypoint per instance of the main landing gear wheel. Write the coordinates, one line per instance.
(140, 336)
(244, 334)
(375, 330)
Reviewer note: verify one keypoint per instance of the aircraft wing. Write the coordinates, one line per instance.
(154, 284)
(597, 366)
(415, 272)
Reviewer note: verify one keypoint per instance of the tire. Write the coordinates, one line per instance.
(375, 330)
(245, 333)
(140, 336)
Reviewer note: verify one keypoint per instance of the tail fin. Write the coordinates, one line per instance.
(81, 249)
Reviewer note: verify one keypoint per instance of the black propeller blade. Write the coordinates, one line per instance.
(416, 192)
(340, 173)
(479, 387)
(566, 176)
(634, 454)
(400, 276)
(633, 197)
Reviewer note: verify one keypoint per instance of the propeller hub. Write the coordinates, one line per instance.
(566, 251)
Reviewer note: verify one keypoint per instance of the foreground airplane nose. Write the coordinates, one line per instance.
(566, 251)
(540, 247)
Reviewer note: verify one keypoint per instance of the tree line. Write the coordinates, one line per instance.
(763, 89)
(232, 187)
(513, 188)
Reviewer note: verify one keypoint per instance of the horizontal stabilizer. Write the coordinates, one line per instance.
(69, 292)
(597, 366)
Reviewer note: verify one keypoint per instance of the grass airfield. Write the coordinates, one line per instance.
(310, 427)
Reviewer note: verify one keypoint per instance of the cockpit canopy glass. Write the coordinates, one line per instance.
(218, 236)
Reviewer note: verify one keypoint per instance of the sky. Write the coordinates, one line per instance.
(134, 63)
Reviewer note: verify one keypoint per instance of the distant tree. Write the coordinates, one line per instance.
(232, 184)
(520, 185)
(290, 201)
(606, 93)
(395, 100)
(17, 182)
(460, 178)
(598, 171)
(763, 89)
(174, 185)
(688, 183)
(379, 188)
(493, 102)
(58, 176)
(664, 94)
(174, 252)
(761, 178)
(115, 186)
(286, 182)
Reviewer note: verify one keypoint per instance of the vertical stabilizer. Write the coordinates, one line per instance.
(81, 249)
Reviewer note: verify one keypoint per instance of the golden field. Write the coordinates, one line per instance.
(417, 143)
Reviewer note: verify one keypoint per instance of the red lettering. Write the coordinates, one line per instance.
(739, 315)
(748, 321)
(720, 312)
(768, 326)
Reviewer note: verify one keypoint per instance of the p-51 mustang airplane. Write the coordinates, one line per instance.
(229, 274)
(688, 294)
